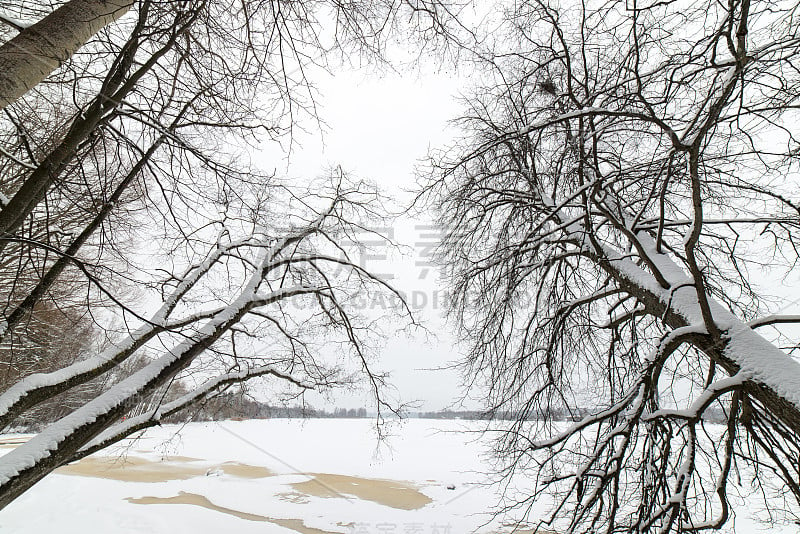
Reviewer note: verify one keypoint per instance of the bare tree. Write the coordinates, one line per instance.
(40, 48)
(122, 173)
(627, 169)
(281, 293)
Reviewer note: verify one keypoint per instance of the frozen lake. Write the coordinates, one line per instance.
(280, 475)
(312, 476)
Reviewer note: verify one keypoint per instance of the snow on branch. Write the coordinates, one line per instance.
(759, 359)
(153, 417)
(702, 401)
(40, 386)
(271, 271)
(773, 319)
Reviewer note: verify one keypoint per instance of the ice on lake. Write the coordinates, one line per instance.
(314, 476)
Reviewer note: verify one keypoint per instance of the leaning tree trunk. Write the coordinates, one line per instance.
(786, 410)
(38, 50)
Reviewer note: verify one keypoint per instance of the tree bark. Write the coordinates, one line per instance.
(38, 50)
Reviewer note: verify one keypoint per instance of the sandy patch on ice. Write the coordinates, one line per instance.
(143, 470)
(392, 493)
(523, 528)
(238, 469)
(199, 500)
(387, 492)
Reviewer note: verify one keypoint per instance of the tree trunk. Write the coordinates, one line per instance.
(38, 50)
(782, 408)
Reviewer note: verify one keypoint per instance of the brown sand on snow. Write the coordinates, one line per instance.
(395, 494)
(143, 470)
(198, 500)
(387, 492)
(392, 493)
(293, 524)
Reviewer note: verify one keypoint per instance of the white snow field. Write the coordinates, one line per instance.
(311, 476)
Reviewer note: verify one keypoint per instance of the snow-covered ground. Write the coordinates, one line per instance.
(311, 476)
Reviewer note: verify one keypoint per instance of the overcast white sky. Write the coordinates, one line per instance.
(378, 128)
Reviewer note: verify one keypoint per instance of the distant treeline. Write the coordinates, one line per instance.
(237, 406)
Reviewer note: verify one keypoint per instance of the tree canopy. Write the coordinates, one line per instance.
(131, 213)
(627, 170)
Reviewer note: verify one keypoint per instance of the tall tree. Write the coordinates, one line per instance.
(197, 266)
(628, 167)
(42, 47)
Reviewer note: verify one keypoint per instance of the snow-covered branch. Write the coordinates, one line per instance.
(154, 417)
